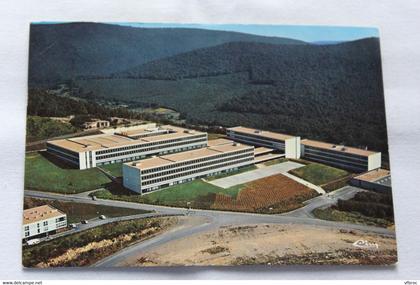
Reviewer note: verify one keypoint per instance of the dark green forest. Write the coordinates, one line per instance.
(331, 92)
(68, 50)
(327, 92)
(371, 204)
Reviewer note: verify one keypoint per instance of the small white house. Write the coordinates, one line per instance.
(42, 220)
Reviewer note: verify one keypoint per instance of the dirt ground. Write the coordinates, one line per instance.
(270, 244)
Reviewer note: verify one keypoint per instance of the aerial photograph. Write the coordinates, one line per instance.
(157, 144)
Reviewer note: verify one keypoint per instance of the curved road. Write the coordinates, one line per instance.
(210, 219)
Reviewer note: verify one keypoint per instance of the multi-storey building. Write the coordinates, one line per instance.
(131, 144)
(42, 220)
(158, 172)
(349, 158)
(288, 144)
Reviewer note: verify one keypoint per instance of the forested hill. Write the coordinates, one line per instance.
(64, 51)
(326, 92)
(269, 62)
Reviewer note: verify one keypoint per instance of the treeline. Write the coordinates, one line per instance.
(370, 204)
(39, 128)
(41, 103)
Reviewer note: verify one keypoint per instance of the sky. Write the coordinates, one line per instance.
(299, 32)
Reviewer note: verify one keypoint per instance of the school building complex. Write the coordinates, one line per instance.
(168, 155)
(131, 144)
(288, 144)
(158, 172)
(349, 158)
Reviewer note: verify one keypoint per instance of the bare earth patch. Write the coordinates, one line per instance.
(270, 244)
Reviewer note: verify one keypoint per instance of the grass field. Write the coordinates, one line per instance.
(318, 174)
(197, 192)
(241, 170)
(274, 194)
(275, 161)
(115, 169)
(350, 217)
(44, 172)
(77, 212)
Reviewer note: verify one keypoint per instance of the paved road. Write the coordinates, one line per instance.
(323, 201)
(95, 222)
(215, 219)
(252, 175)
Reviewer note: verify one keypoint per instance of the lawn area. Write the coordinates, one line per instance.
(332, 214)
(241, 170)
(199, 193)
(318, 174)
(275, 161)
(44, 172)
(87, 247)
(114, 168)
(273, 194)
(77, 212)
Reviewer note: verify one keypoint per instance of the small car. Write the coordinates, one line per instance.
(102, 217)
(94, 198)
(85, 222)
(33, 241)
(73, 226)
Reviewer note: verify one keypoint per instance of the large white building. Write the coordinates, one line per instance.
(42, 220)
(153, 173)
(125, 145)
(349, 158)
(288, 144)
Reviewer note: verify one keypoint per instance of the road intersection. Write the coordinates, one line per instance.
(211, 219)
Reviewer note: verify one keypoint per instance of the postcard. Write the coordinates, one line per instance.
(199, 144)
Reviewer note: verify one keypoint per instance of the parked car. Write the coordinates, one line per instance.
(85, 222)
(33, 241)
(94, 198)
(102, 217)
(73, 226)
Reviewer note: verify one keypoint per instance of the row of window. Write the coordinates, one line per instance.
(149, 149)
(142, 145)
(335, 153)
(167, 178)
(345, 165)
(258, 137)
(157, 133)
(63, 150)
(195, 165)
(189, 162)
(342, 159)
(63, 154)
(277, 145)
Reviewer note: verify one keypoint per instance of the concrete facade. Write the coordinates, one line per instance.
(290, 145)
(130, 144)
(42, 220)
(159, 172)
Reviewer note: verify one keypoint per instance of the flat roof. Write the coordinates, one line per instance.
(40, 213)
(219, 142)
(261, 150)
(373, 175)
(187, 155)
(266, 134)
(337, 148)
(105, 141)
